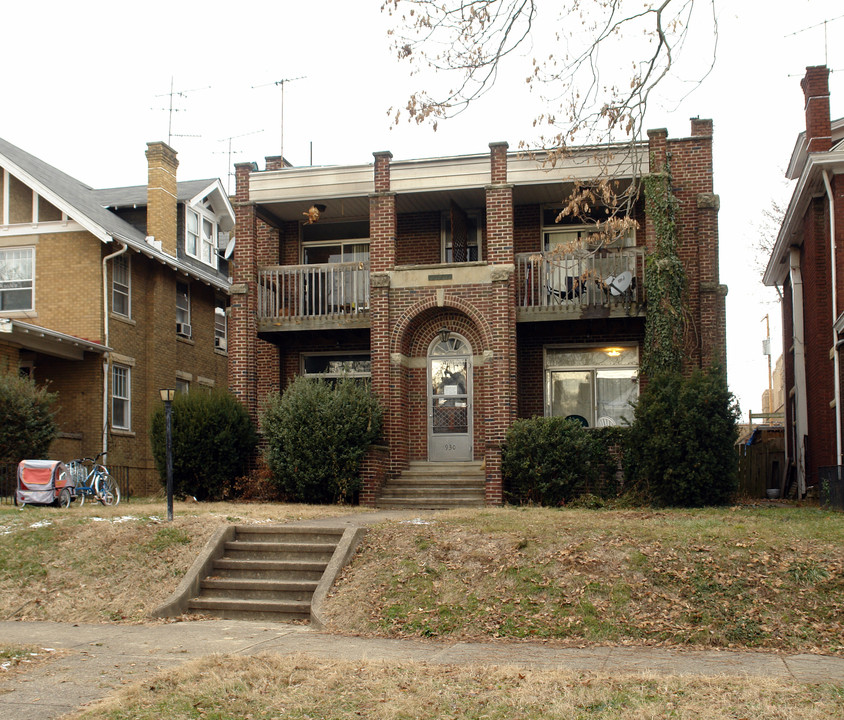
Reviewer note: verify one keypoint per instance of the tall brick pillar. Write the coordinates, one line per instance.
(382, 254)
(657, 151)
(243, 373)
(713, 314)
(500, 389)
(161, 195)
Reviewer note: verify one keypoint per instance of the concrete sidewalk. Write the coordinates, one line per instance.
(104, 657)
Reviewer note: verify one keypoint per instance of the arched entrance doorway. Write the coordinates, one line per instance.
(449, 399)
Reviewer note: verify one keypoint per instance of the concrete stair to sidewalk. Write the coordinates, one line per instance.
(266, 573)
(435, 486)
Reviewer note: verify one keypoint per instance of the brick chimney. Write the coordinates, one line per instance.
(161, 195)
(816, 91)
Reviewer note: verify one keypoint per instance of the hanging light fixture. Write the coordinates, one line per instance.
(445, 334)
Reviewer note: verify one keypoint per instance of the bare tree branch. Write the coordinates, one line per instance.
(581, 42)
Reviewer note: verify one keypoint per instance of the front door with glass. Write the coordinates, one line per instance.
(450, 400)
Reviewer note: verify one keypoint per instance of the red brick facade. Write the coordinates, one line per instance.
(414, 293)
(813, 291)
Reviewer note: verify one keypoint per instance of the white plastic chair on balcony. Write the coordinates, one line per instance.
(605, 421)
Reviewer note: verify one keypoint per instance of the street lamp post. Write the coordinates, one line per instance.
(167, 396)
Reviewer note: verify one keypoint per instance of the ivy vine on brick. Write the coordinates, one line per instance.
(665, 280)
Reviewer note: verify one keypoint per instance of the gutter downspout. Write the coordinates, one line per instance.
(106, 357)
(801, 411)
(835, 355)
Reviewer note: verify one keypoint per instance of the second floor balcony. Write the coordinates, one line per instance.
(313, 296)
(601, 283)
(608, 283)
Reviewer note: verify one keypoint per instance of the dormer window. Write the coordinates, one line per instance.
(201, 230)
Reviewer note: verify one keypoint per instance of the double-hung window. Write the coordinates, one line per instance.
(121, 286)
(121, 395)
(594, 385)
(183, 309)
(220, 328)
(17, 279)
(201, 229)
(461, 236)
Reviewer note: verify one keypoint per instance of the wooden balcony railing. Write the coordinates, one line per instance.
(610, 278)
(313, 291)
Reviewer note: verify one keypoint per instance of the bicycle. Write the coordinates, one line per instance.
(95, 483)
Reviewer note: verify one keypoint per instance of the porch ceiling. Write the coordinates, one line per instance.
(428, 185)
(351, 208)
(49, 342)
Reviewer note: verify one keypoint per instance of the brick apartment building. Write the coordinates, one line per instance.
(449, 284)
(109, 295)
(808, 263)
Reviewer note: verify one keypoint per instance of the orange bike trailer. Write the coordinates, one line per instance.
(43, 482)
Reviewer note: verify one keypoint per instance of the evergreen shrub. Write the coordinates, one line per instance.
(550, 461)
(27, 423)
(316, 435)
(680, 449)
(213, 439)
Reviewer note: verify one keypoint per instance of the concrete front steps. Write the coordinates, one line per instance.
(266, 573)
(435, 486)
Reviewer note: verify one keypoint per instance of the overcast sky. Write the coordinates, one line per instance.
(86, 87)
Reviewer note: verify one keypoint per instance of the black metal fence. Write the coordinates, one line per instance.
(9, 481)
(831, 486)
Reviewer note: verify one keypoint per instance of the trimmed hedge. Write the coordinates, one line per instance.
(27, 423)
(316, 435)
(680, 450)
(213, 439)
(551, 461)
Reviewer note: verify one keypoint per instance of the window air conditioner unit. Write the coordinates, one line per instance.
(220, 343)
(183, 329)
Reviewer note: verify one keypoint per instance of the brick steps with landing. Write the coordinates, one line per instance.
(435, 486)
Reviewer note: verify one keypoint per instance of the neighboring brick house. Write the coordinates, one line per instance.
(808, 263)
(448, 282)
(109, 295)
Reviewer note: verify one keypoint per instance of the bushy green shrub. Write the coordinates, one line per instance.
(549, 461)
(213, 439)
(316, 436)
(680, 449)
(27, 424)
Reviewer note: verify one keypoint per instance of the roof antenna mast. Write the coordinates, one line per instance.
(282, 83)
(229, 141)
(172, 94)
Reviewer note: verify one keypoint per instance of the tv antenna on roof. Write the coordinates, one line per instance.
(817, 25)
(282, 82)
(172, 94)
(229, 141)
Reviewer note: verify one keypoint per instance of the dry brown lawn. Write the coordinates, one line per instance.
(266, 686)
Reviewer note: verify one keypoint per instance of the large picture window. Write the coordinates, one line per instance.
(121, 417)
(17, 279)
(593, 385)
(120, 286)
(333, 366)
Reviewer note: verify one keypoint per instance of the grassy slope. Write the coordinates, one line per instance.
(760, 577)
(98, 564)
(767, 577)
